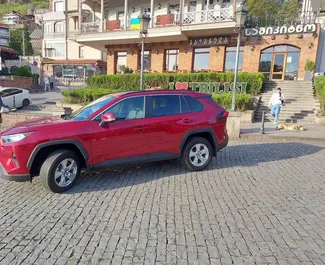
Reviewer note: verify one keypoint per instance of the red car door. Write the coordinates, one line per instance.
(170, 119)
(125, 138)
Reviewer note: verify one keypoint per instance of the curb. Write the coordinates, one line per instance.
(283, 138)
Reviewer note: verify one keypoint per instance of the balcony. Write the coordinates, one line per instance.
(161, 21)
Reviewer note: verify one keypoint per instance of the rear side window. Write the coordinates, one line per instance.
(184, 106)
(194, 104)
(164, 105)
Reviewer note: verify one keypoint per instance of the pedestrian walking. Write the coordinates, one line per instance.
(51, 82)
(276, 103)
(47, 84)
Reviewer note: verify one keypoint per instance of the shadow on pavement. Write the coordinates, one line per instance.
(246, 155)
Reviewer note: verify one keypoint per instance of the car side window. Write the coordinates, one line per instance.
(127, 109)
(194, 104)
(6, 93)
(184, 106)
(164, 105)
(14, 91)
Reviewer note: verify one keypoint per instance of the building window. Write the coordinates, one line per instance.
(58, 27)
(54, 50)
(280, 62)
(57, 71)
(58, 6)
(173, 9)
(231, 58)
(171, 57)
(49, 52)
(48, 28)
(120, 60)
(201, 59)
(81, 51)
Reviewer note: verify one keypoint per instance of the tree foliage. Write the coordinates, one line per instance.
(269, 8)
(16, 41)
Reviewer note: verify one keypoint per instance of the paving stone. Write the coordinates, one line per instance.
(259, 202)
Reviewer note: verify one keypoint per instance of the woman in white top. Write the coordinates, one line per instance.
(275, 103)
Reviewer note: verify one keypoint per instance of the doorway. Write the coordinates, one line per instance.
(278, 66)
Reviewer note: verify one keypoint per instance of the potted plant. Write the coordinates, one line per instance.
(309, 69)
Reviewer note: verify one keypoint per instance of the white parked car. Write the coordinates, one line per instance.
(15, 97)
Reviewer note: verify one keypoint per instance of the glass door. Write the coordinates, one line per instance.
(278, 66)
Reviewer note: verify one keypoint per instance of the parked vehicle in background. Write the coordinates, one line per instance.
(15, 97)
(117, 129)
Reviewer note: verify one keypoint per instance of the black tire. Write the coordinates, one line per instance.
(26, 102)
(47, 172)
(187, 161)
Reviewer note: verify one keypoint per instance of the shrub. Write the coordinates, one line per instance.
(320, 92)
(132, 81)
(85, 95)
(243, 101)
(310, 65)
(23, 71)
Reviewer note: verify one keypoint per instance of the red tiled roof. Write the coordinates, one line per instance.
(8, 50)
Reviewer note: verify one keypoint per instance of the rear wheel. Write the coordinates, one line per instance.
(60, 171)
(197, 154)
(26, 102)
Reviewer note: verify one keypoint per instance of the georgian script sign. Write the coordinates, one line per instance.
(212, 41)
(285, 29)
(211, 88)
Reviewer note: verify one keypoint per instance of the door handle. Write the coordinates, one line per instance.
(187, 120)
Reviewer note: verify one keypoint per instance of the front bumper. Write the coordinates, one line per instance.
(223, 144)
(17, 178)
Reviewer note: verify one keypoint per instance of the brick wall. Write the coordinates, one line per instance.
(251, 56)
(16, 81)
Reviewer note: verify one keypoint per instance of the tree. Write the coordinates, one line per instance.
(262, 8)
(16, 41)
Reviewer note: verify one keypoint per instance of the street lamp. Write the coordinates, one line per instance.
(241, 13)
(144, 25)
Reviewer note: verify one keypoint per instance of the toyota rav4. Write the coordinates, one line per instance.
(117, 129)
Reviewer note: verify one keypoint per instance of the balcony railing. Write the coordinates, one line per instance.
(205, 16)
(298, 18)
(166, 20)
(54, 35)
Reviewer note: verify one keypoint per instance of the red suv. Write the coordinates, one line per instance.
(117, 129)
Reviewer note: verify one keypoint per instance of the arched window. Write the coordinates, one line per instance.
(280, 62)
(59, 27)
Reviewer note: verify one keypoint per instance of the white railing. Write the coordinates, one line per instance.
(204, 16)
(54, 35)
(90, 27)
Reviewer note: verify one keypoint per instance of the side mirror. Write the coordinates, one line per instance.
(107, 118)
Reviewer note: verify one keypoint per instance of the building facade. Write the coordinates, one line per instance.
(64, 58)
(194, 36)
(4, 35)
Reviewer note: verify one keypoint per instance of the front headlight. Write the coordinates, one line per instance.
(14, 138)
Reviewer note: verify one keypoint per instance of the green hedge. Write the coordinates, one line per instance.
(320, 92)
(85, 95)
(243, 101)
(132, 81)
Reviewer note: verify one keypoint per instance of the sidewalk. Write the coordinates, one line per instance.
(313, 132)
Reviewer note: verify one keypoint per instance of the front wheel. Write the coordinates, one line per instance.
(60, 171)
(26, 103)
(197, 154)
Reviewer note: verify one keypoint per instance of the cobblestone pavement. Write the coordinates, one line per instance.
(258, 203)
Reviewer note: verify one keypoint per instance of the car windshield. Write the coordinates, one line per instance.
(85, 112)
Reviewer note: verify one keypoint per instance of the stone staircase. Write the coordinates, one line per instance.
(300, 104)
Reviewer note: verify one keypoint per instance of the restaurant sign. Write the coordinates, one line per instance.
(211, 41)
(209, 87)
(285, 29)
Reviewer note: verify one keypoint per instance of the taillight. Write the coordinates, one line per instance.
(223, 114)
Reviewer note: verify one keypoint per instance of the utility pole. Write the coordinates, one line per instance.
(23, 41)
